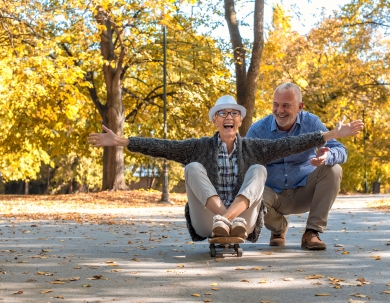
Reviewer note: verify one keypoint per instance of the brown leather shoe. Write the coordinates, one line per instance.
(278, 239)
(311, 240)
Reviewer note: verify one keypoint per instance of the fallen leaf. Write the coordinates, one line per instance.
(288, 279)
(359, 295)
(345, 252)
(68, 279)
(362, 280)
(19, 292)
(214, 284)
(240, 268)
(244, 280)
(45, 291)
(322, 295)
(258, 268)
(376, 257)
(317, 276)
(263, 281)
(215, 289)
(355, 301)
(195, 295)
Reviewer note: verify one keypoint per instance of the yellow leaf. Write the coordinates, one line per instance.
(195, 295)
(317, 276)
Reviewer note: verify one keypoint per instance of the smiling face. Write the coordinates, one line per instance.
(285, 108)
(227, 126)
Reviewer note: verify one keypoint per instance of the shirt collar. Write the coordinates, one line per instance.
(220, 143)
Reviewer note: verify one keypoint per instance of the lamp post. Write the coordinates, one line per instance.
(364, 156)
(165, 191)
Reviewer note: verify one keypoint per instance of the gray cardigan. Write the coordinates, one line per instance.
(250, 151)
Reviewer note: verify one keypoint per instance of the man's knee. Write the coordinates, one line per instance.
(269, 197)
(333, 171)
(192, 169)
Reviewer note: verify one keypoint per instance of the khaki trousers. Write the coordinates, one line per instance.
(316, 197)
(199, 189)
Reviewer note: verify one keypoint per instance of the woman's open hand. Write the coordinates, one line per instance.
(109, 138)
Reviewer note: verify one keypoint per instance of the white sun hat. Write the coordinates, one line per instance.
(226, 102)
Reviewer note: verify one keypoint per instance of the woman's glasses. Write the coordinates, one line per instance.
(225, 113)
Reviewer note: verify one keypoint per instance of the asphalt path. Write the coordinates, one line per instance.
(148, 256)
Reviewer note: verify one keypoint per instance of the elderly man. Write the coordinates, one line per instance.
(304, 182)
(224, 173)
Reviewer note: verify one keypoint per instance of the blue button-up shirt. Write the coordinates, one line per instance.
(292, 171)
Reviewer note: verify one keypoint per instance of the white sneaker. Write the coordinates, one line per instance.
(238, 228)
(221, 226)
(220, 229)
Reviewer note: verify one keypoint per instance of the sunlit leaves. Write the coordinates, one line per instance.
(342, 69)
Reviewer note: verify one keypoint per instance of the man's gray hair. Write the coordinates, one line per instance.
(295, 88)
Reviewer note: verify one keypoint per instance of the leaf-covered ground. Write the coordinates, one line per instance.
(102, 207)
(382, 205)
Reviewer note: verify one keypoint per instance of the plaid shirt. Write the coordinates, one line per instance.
(227, 172)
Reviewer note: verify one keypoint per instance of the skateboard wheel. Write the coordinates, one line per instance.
(212, 250)
(239, 252)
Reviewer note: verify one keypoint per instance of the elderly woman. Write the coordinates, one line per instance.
(225, 173)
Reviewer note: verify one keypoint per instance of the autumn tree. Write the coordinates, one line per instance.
(68, 53)
(246, 77)
(39, 117)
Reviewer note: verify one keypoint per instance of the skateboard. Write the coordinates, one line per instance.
(227, 245)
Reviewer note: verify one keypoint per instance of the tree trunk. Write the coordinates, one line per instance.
(26, 185)
(113, 111)
(246, 81)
